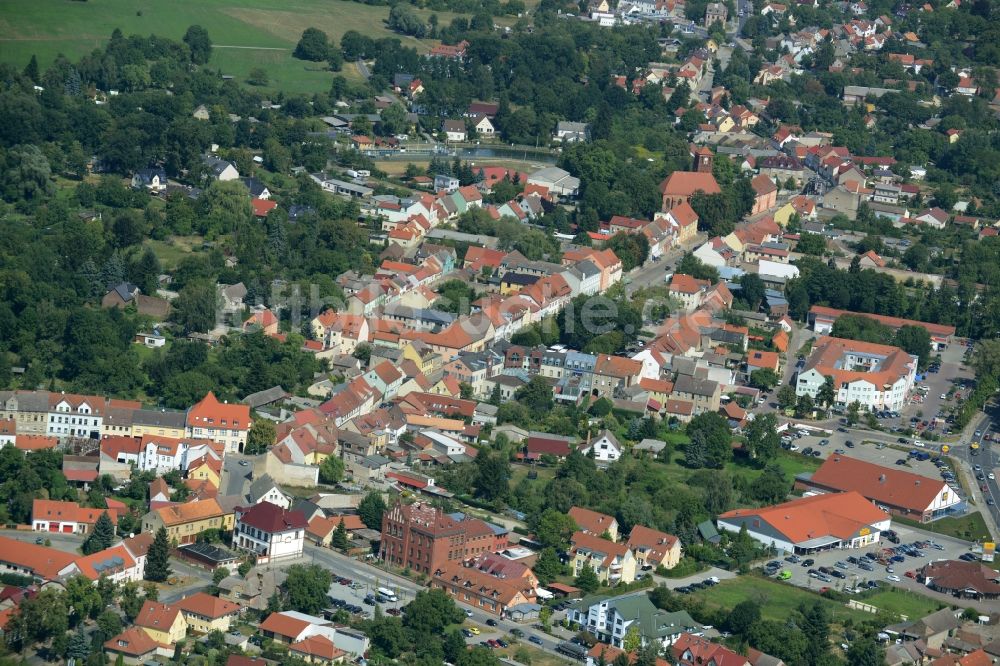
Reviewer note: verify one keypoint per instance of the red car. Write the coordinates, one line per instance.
(911, 574)
(493, 643)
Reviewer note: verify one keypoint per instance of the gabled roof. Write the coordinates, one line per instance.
(888, 485)
(592, 522)
(210, 413)
(156, 615)
(839, 515)
(657, 543)
(133, 641)
(686, 183)
(595, 545)
(205, 605)
(272, 518)
(42, 561)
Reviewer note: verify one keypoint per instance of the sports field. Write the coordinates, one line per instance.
(246, 33)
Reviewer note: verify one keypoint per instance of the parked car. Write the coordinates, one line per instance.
(491, 622)
(535, 639)
(892, 577)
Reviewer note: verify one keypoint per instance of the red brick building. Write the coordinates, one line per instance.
(423, 538)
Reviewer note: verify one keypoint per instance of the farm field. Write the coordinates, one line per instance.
(265, 31)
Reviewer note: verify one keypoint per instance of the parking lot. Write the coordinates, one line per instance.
(866, 446)
(855, 575)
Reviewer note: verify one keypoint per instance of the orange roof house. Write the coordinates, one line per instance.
(32, 559)
(594, 522)
(224, 422)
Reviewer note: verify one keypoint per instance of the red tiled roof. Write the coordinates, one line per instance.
(208, 606)
(840, 515)
(133, 641)
(594, 522)
(283, 625)
(261, 207)
(686, 183)
(272, 518)
(887, 485)
(156, 615)
(44, 562)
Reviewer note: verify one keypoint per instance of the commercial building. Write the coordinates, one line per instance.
(898, 491)
(811, 524)
(29, 559)
(822, 319)
(875, 376)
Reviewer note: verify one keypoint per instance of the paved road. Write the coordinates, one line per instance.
(371, 577)
(986, 491)
(653, 273)
(363, 69)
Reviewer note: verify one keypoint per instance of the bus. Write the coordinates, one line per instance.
(387, 594)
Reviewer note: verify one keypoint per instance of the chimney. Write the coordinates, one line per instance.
(881, 479)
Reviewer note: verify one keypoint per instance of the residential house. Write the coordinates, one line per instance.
(595, 523)
(572, 132)
(220, 169)
(688, 290)
(612, 562)
(161, 622)
(154, 180)
(65, 517)
(493, 594)
(653, 548)
(269, 532)
(605, 446)
(226, 423)
(184, 522)
(454, 130)
(610, 619)
(765, 193)
(703, 394)
(134, 646)
(204, 613)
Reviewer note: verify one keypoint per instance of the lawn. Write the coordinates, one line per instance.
(171, 251)
(902, 602)
(538, 657)
(269, 29)
(778, 600)
(970, 527)
(520, 472)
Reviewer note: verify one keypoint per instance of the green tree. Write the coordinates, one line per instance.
(194, 309)
(101, 537)
(158, 558)
(915, 340)
(853, 410)
(199, 43)
(548, 566)
(536, 395)
(371, 508)
(693, 266)
(764, 379)
(261, 436)
(587, 580)
(743, 616)
(554, 528)
(804, 406)
(786, 397)
(313, 45)
(762, 438)
(710, 440)
(31, 70)
(492, 476)
(865, 652)
(109, 623)
(25, 175)
(827, 392)
(751, 290)
(430, 612)
(78, 646)
(257, 77)
(813, 244)
(393, 120)
(331, 470)
(306, 587)
(633, 638)
(339, 539)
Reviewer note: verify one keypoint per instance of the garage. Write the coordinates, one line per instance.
(68, 529)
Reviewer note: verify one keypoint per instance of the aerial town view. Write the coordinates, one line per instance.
(499, 332)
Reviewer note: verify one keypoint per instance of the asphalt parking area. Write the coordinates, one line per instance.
(855, 575)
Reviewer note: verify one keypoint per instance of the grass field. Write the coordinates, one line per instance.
(778, 601)
(901, 602)
(970, 527)
(270, 29)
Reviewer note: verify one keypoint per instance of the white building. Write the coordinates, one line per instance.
(165, 454)
(75, 416)
(606, 447)
(811, 524)
(611, 618)
(270, 532)
(878, 377)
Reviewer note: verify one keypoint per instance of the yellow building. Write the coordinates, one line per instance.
(184, 522)
(163, 623)
(612, 562)
(204, 613)
(783, 215)
(206, 468)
